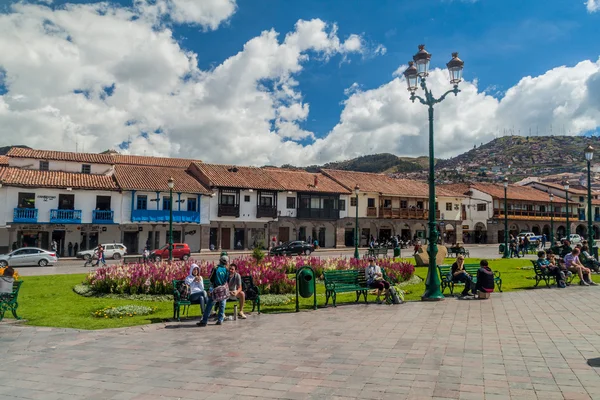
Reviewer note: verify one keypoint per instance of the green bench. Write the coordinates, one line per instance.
(544, 276)
(250, 289)
(347, 281)
(471, 269)
(458, 251)
(8, 301)
(376, 252)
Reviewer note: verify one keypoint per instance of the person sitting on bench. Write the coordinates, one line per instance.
(550, 268)
(573, 264)
(196, 283)
(485, 280)
(460, 275)
(375, 280)
(590, 261)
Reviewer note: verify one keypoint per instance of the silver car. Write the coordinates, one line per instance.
(28, 256)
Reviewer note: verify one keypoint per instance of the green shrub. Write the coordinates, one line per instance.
(258, 254)
(123, 311)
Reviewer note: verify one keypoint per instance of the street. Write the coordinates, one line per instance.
(76, 266)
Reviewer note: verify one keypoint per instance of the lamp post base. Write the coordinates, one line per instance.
(434, 297)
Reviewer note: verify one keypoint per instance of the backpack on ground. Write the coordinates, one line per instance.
(393, 297)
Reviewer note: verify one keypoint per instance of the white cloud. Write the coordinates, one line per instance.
(207, 13)
(58, 63)
(593, 5)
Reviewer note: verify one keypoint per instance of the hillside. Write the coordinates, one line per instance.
(384, 162)
(6, 149)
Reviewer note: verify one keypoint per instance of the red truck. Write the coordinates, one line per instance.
(180, 250)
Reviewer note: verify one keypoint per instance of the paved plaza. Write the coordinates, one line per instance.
(532, 344)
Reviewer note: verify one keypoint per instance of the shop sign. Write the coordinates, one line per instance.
(46, 198)
(32, 227)
(59, 227)
(466, 227)
(191, 233)
(129, 227)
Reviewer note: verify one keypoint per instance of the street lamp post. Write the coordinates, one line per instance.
(551, 220)
(506, 255)
(566, 186)
(413, 75)
(356, 235)
(171, 184)
(589, 154)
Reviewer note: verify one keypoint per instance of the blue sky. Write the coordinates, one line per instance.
(501, 42)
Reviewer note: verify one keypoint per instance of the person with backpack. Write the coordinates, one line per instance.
(197, 294)
(219, 294)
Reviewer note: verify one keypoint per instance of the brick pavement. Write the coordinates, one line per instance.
(526, 345)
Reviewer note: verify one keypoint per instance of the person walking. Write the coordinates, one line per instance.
(55, 248)
(70, 249)
(75, 249)
(543, 241)
(219, 278)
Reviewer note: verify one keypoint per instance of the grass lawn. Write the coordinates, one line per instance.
(50, 300)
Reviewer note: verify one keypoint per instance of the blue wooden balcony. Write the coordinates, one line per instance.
(163, 216)
(102, 216)
(25, 215)
(65, 216)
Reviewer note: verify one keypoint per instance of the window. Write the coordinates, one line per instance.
(191, 204)
(247, 199)
(291, 202)
(26, 200)
(166, 203)
(44, 166)
(482, 207)
(387, 203)
(103, 203)
(542, 208)
(352, 201)
(448, 206)
(436, 206)
(66, 201)
(419, 205)
(370, 202)
(86, 169)
(266, 201)
(142, 202)
(342, 204)
(403, 204)
(581, 200)
(228, 199)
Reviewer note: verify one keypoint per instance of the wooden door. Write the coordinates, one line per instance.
(226, 238)
(284, 234)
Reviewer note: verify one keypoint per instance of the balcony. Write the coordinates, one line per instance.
(162, 216)
(318, 213)
(266, 212)
(535, 214)
(229, 210)
(371, 211)
(102, 216)
(25, 215)
(65, 216)
(405, 213)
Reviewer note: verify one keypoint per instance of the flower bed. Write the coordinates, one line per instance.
(274, 275)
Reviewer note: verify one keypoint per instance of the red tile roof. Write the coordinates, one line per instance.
(152, 161)
(561, 187)
(152, 179)
(3, 160)
(514, 192)
(93, 158)
(302, 181)
(55, 179)
(384, 185)
(232, 176)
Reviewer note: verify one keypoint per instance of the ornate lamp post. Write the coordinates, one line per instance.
(589, 154)
(551, 220)
(506, 255)
(413, 75)
(356, 234)
(171, 184)
(566, 186)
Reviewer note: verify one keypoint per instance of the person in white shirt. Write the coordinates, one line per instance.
(375, 280)
(196, 283)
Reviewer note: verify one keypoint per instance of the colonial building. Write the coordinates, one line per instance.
(389, 207)
(476, 211)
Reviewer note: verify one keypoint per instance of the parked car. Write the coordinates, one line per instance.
(116, 251)
(533, 238)
(180, 250)
(298, 247)
(573, 238)
(28, 256)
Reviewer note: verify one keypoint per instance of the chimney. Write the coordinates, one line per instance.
(316, 180)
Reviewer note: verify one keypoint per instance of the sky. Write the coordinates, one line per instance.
(272, 82)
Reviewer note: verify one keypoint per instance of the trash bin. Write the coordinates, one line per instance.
(305, 282)
(501, 248)
(397, 251)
